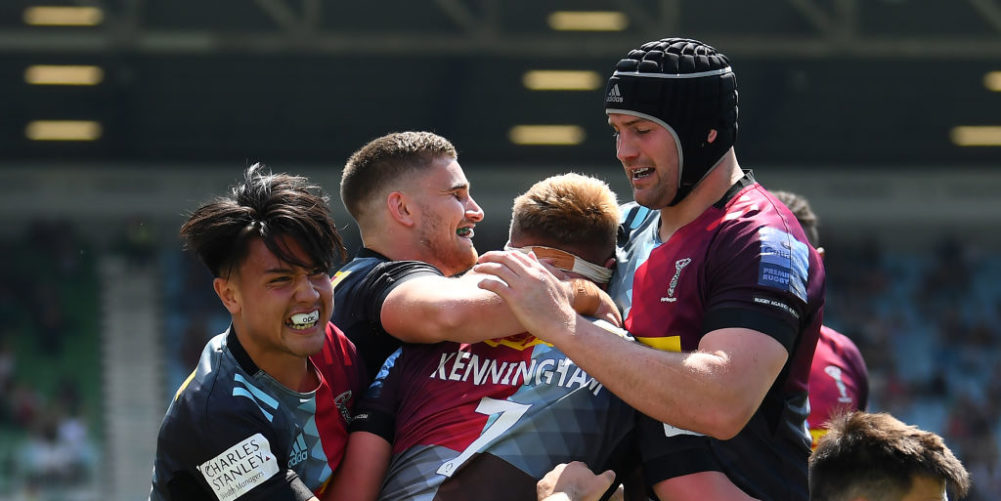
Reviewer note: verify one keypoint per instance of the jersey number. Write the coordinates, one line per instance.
(510, 413)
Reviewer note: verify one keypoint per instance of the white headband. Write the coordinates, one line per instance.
(567, 262)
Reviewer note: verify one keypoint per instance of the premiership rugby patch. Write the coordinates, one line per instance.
(240, 468)
(785, 262)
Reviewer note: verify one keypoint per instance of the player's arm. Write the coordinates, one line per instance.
(361, 472)
(702, 486)
(713, 390)
(430, 308)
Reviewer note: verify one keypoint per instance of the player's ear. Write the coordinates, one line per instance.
(226, 290)
(610, 263)
(400, 209)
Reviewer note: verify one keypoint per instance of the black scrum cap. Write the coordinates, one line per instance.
(687, 87)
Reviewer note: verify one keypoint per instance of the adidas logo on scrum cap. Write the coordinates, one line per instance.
(614, 96)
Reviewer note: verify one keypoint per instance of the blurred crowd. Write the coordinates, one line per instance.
(49, 363)
(927, 322)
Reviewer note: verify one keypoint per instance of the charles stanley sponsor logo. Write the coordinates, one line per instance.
(240, 468)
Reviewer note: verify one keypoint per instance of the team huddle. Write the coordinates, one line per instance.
(666, 341)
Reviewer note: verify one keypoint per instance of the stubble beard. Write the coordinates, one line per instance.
(448, 253)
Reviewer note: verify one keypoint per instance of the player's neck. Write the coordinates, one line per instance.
(706, 193)
(293, 372)
(396, 244)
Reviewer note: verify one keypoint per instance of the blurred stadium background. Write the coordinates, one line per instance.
(120, 115)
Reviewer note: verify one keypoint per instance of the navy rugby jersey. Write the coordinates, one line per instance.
(744, 262)
(486, 420)
(234, 432)
(360, 289)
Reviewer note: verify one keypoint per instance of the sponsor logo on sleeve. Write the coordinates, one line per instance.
(240, 468)
(785, 262)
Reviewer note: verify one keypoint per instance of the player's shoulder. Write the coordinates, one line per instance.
(219, 394)
(373, 269)
(754, 215)
(201, 383)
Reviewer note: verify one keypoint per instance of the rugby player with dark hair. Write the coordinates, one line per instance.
(258, 418)
(715, 279)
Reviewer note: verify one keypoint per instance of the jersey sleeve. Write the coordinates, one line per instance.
(224, 454)
(377, 409)
(371, 292)
(758, 280)
(360, 290)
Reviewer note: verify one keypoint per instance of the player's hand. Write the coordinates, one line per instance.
(607, 309)
(573, 482)
(537, 298)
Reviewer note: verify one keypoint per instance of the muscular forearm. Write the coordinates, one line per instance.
(433, 309)
(714, 390)
(700, 391)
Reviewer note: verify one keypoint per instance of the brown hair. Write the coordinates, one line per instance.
(877, 457)
(265, 206)
(385, 159)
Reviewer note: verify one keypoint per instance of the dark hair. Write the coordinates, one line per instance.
(265, 206)
(800, 208)
(877, 457)
(385, 159)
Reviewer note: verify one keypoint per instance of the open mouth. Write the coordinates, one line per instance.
(303, 321)
(642, 172)
(464, 232)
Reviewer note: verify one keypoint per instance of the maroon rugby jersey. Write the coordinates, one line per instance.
(744, 262)
(838, 380)
(486, 420)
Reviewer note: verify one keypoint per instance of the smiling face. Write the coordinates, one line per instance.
(280, 311)
(649, 155)
(447, 216)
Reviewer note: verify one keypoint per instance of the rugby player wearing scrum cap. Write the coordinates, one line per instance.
(716, 279)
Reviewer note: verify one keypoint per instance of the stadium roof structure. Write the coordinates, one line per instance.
(821, 82)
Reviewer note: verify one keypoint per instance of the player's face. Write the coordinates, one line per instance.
(926, 489)
(280, 311)
(649, 155)
(447, 217)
